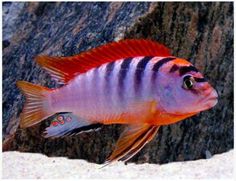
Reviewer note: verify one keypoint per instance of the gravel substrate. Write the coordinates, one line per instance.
(32, 165)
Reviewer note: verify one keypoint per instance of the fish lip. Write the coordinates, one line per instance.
(212, 97)
(211, 100)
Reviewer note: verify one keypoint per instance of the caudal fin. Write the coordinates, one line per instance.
(36, 107)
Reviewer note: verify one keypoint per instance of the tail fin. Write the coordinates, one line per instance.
(36, 107)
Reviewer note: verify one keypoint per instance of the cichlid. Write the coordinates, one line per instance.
(133, 82)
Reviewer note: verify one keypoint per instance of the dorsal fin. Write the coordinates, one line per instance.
(66, 68)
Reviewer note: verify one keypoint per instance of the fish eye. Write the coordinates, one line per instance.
(188, 82)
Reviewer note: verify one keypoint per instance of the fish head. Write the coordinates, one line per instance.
(184, 90)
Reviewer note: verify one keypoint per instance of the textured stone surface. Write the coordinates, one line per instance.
(22, 166)
(199, 32)
(203, 34)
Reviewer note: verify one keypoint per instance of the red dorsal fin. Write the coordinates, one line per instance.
(66, 68)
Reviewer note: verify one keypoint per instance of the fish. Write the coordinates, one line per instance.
(133, 82)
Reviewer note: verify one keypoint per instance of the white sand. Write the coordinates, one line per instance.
(31, 165)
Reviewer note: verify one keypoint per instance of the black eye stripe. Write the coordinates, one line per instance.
(196, 78)
(174, 68)
(190, 88)
(186, 69)
(200, 79)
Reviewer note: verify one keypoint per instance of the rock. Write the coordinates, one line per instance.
(201, 32)
(26, 165)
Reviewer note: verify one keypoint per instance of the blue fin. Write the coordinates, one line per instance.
(65, 124)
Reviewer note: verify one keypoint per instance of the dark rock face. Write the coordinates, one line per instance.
(55, 29)
(199, 32)
(203, 34)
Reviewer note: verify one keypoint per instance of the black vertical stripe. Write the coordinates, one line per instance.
(158, 65)
(109, 68)
(139, 72)
(174, 68)
(124, 68)
(161, 62)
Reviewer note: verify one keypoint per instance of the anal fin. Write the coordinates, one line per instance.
(67, 124)
(132, 140)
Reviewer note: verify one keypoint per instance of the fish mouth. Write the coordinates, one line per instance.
(211, 100)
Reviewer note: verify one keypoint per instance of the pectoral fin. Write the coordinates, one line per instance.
(133, 139)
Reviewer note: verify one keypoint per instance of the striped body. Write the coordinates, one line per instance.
(133, 82)
(108, 91)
